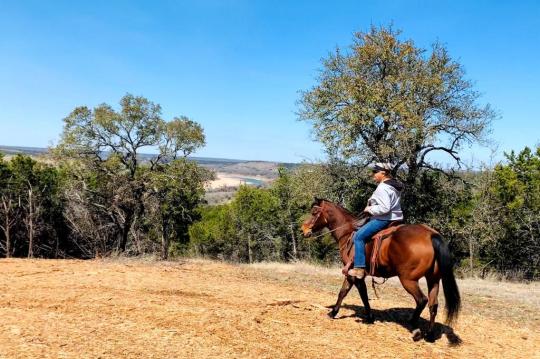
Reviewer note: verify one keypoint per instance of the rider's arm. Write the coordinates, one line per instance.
(379, 203)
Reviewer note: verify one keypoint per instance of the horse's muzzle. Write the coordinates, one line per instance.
(306, 232)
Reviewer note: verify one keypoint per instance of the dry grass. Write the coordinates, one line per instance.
(525, 293)
(147, 309)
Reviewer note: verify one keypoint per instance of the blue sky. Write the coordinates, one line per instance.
(236, 66)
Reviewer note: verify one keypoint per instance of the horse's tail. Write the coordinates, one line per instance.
(446, 267)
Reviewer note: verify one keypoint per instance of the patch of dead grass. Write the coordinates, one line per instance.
(199, 308)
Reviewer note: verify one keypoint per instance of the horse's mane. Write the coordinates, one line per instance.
(318, 202)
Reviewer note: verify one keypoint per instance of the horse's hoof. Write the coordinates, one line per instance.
(332, 314)
(417, 335)
(430, 337)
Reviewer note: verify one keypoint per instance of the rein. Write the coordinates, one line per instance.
(333, 230)
(326, 221)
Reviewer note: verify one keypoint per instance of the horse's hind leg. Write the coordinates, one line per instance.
(345, 288)
(433, 287)
(362, 289)
(421, 300)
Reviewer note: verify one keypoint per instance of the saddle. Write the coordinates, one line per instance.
(360, 222)
(377, 240)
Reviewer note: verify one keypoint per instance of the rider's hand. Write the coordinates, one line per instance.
(366, 210)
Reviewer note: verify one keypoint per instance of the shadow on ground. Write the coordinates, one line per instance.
(401, 316)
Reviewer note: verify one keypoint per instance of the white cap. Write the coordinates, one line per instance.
(383, 166)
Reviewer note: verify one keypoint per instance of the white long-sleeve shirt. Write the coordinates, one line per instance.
(385, 204)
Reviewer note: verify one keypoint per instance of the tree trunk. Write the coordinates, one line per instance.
(123, 238)
(410, 195)
(164, 241)
(30, 224)
(125, 232)
(471, 254)
(293, 237)
(7, 225)
(57, 246)
(412, 173)
(8, 236)
(250, 251)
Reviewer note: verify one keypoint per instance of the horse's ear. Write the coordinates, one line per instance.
(316, 201)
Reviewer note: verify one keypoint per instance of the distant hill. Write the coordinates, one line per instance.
(225, 165)
(30, 151)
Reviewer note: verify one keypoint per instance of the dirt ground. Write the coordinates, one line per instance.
(195, 309)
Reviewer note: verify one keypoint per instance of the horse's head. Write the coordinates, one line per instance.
(317, 221)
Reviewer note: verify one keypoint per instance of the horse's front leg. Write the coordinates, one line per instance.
(362, 289)
(345, 288)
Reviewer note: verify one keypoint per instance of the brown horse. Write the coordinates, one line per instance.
(411, 252)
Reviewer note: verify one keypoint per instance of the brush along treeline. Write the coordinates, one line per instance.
(491, 217)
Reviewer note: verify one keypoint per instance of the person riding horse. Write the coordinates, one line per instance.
(410, 252)
(384, 206)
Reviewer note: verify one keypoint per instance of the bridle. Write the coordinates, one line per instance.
(316, 218)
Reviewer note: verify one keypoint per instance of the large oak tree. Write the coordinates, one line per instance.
(386, 99)
(102, 148)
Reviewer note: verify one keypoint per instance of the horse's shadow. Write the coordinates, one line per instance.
(402, 317)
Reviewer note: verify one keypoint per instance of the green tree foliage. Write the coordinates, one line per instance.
(108, 182)
(255, 213)
(175, 192)
(9, 206)
(215, 234)
(290, 208)
(30, 208)
(473, 223)
(243, 230)
(385, 99)
(262, 224)
(516, 191)
(248, 229)
(296, 190)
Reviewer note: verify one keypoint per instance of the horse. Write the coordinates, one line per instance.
(410, 252)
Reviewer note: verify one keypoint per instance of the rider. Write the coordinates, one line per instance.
(384, 207)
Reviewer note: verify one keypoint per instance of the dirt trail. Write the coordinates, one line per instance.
(136, 309)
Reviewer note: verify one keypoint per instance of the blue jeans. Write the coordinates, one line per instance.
(362, 235)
